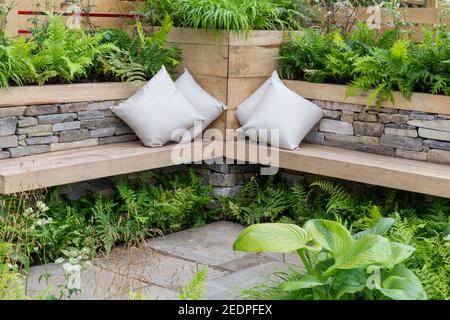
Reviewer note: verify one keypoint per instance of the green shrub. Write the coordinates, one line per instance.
(66, 55)
(142, 208)
(419, 223)
(338, 265)
(363, 61)
(239, 15)
(55, 54)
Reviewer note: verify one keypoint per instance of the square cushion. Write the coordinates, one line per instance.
(246, 108)
(283, 109)
(157, 110)
(205, 104)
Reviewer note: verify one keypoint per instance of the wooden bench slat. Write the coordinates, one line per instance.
(398, 173)
(63, 167)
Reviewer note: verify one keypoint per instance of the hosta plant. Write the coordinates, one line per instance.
(338, 265)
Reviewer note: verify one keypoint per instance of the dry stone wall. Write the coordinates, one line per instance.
(28, 130)
(391, 132)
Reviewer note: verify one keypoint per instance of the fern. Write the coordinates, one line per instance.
(300, 201)
(65, 55)
(152, 51)
(339, 201)
(391, 62)
(195, 288)
(107, 231)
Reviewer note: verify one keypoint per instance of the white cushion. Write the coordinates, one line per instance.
(246, 108)
(157, 110)
(208, 106)
(283, 109)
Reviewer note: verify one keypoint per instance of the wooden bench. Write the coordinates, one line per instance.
(63, 167)
(398, 173)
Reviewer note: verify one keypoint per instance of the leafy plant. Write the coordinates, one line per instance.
(338, 265)
(195, 288)
(141, 58)
(55, 54)
(15, 64)
(65, 55)
(419, 223)
(228, 14)
(364, 61)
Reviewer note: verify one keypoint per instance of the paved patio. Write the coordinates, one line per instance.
(160, 267)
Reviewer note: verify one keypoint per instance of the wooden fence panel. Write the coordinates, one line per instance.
(101, 13)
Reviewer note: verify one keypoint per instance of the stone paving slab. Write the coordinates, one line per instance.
(96, 283)
(152, 267)
(228, 287)
(211, 244)
(160, 267)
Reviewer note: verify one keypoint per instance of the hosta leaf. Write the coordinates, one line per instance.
(272, 237)
(331, 235)
(305, 282)
(400, 252)
(380, 228)
(369, 250)
(402, 284)
(348, 281)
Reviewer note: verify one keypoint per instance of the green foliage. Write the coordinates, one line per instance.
(151, 51)
(142, 208)
(141, 58)
(15, 64)
(119, 38)
(419, 223)
(364, 61)
(156, 204)
(11, 282)
(236, 15)
(255, 204)
(337, 265)
(55, 54)
(65, 55)
(195, 288)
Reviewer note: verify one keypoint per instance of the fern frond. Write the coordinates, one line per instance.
(195, 288)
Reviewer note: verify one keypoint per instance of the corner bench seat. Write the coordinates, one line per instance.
(63, 167)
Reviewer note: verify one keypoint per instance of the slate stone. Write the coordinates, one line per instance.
(407, 143)
(57, 118)
(334, 126)
(8, 126)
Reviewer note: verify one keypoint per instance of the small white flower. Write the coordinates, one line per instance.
(28, 211)
(73, 276)
(42, 206)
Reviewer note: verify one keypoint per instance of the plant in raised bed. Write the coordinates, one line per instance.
(364, 61)
(338, 265)
(140, 58)
(64, 55)
(56, 54)
(235, 15)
